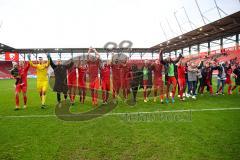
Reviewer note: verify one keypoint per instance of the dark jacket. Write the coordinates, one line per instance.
(60, 72)
(207, 74)
(236, 71)
(136, 75)
(220, 71)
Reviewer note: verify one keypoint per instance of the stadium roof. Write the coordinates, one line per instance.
(221, 28)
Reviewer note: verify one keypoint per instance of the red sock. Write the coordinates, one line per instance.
(95, 97)
(25, 100)
(234, 88)
(229, 89)
(92, 94)
(220, 89)
(17, 100)
(107, 95)
(145, 94)
(103, 95)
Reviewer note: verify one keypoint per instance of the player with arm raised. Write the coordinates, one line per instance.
(157, 80)
(21, 83)
(60, 72)
(42, 78)
(170, 74)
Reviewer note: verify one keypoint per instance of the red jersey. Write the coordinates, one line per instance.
(181, 70)
(82, 75)
(23, 71)
(72, 74)
(105, 73)
(125, 72)
(93, 67)
(229, 72)
(157, 70)
(116, 71)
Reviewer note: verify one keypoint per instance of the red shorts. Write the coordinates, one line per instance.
(20, 88)
(145, 82)
(181, 82)
(228, 81)
(94, 84)
(158, 82)
(116, 84)
(72, 83)
(82, 84)
(106, 85)
(171, 80)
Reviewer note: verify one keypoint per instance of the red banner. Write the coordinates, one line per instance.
(11, 56)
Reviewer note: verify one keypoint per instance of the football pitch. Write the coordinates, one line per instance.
(206, 128)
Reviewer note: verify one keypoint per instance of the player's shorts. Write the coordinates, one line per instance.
(81, 84)
(72, 83)
(158, 82)
(20, 88)
(106, 85)
(116, 84)
(145, 82)
(42, 85)
(94, 84)
(126, 84)
(181, 82)
(228, 81)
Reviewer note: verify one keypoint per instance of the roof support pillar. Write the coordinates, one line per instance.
(237, 41)
(221, 43)
(198, 49)
(209, 48)
(190, 50)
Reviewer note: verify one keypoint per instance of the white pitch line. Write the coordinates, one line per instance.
(109, 114)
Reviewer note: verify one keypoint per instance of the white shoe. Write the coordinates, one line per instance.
(187, 95)
(145, 100)
(178, 96)
(24, 106)
(193, 97)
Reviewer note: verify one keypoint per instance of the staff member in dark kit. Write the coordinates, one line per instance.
(136, 77)
(60, 72)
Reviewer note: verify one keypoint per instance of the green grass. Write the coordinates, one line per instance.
(208, 135)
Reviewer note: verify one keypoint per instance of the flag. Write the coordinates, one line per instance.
(9, 56)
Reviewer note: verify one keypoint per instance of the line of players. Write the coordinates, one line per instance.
(126, 77)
